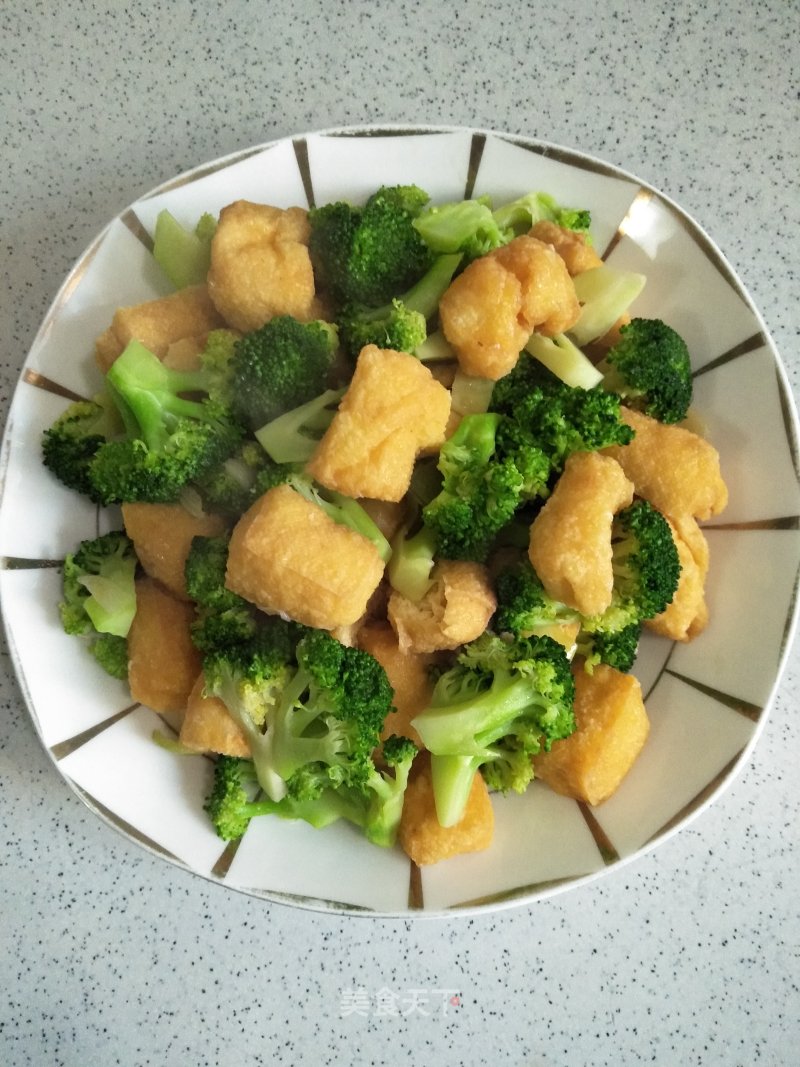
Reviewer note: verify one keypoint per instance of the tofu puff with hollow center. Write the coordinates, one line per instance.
(289, 558)
(456, 609)
(393, 410)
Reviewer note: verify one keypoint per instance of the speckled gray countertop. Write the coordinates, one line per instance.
(110, 956)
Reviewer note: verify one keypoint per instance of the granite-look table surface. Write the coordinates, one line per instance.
(111, 956)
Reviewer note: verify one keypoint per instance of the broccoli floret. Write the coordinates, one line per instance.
(231, 804)
(650, 369)
(111, 652)
(376, 808)
(312, 713)
(644, 559)
(480, 492)
(385, 792)
(617, 648)
(401, 324)
(279, 366)
(223, 618)
(522, 214)
(230, 488)
(466, 226)
(472, 227)
(500, 704)
(71, 443)
(342, 509)
(171, 439)
(523, 605)
(367, 255)
(100, 597)
(293, 436)
(556, 418)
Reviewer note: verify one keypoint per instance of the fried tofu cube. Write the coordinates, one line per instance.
(162, 536)
(611, 729)
(687, 614)
(409, 675)
(288, 557)
(456, 609)
(549, 301)
(158, 324)
(424, 839)
(393, 410)
(570, 541)
(675, 469)
(260, 265)
(208, 726)
(162, 661)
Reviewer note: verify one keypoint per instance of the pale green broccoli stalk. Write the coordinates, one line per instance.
(184, 255)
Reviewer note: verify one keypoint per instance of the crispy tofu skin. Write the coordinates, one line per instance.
(549, 301)
(392, 410)
(162, 536)
(571, 246)
(570, 545)
(288, 557)
(260, 265)
(612, 727)
(421, 836)
(209, 727)
(675, 469)
(687, 615)
(490, 310)
(162, 661)
(409, 676)
(159, 324)
(456, 609)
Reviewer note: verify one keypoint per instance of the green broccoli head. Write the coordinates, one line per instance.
(280, 366)
(99, 598)
(368, 255)
(644, 559)
(231, 487)
(71, 443)
(523, 605)
(223, 618)
(502, 702)
(480, 491)
(396, 327)
(615, 647)
(171, 437)
(650, 369)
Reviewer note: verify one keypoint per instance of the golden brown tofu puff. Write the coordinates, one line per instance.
(159, 324)
(163, 664)
(570, 544)
(687, 615)
(288, 557)
(409, 675)
(209, 727)
(571, 246)
(490, 310)
(260, 265)
(393, 409)
(422, 837)
(611, 729)
(162, 536)
(676, 470)
(456, 609)
(549, 301)
(479, 315)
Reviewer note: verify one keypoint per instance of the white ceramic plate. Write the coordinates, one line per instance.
(707, 700)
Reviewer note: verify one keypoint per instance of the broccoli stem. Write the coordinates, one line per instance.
(565, 360)
(452, 778)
